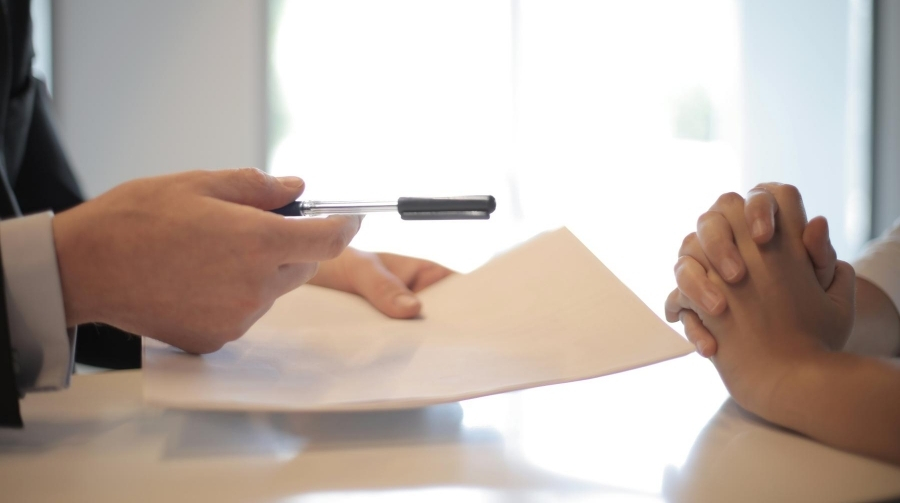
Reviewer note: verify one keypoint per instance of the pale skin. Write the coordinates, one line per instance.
(193, 259)
(782, 329)
(877, 328)
(388, 281)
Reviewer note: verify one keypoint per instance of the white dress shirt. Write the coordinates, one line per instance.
(880, 263)
(43, 348)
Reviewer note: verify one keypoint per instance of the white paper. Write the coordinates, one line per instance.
(546, 312)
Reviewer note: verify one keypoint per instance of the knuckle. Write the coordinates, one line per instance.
(759, 201)
(708, 218)
(198, 179)
(789, 191)
(337, 243)
(763, 188)
(687, 244)
(199, 175)
(688, 280)
(680, 265)
(335, 246)
(672, 299)
(729, 199)
(715, 242)
(253, 177)
(672, 307)
(201, 178)
(769, 187)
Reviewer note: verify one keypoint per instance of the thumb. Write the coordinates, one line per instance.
(252, 187)
(842, 294)
(384, 290)
(843, 289)
(822, 254)
(697, 333)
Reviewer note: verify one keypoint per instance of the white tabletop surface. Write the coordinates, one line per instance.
(662, 433)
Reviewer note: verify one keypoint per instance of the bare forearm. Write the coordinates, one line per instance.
(876, 331)
(844, 400)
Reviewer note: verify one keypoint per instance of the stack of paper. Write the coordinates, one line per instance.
(546, 312)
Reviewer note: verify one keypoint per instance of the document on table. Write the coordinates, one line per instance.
(546, 312)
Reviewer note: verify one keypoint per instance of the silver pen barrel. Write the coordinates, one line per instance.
(315, 208)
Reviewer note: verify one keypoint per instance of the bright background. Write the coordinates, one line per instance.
(621, 120)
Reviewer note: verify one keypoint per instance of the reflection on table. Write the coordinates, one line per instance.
(663, 433)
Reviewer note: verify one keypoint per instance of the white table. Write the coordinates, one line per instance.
(662, 433)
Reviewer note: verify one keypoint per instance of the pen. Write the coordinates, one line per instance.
(410, 208)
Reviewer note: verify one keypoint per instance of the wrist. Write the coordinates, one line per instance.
(804, 382)
(76, 302)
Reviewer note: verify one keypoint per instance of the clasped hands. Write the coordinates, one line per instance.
(761, 293)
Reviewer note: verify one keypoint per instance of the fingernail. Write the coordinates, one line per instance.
(711, 301)
(701, 346)
(406, 301)
(730, 269)
(291, 182)
(759, 228)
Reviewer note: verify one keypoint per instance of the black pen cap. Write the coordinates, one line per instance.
(432, 205)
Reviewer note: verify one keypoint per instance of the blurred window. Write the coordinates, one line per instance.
(621, 120)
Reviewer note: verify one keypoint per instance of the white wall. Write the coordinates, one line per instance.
(887, 117)
(147, 87)
(42, 40)
(802, 107)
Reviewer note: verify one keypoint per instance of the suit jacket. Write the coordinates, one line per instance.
(36, 176)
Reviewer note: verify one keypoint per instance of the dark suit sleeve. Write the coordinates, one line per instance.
(46, 181)
(35, 176)
(9, 393)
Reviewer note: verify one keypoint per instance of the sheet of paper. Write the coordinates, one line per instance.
(546, 312)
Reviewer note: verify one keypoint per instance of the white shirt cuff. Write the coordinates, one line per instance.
(880, 264)
(43, 348)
